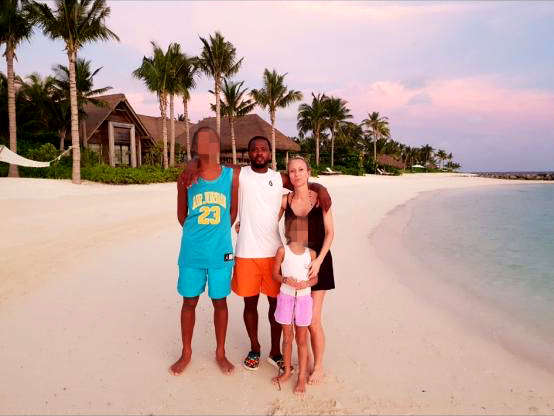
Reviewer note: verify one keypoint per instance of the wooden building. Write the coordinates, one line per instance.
(245, 128)
(115, 131)
(123, 137)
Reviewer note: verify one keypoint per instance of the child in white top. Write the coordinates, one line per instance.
(294, 302)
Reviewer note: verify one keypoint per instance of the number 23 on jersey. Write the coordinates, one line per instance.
(209, 215)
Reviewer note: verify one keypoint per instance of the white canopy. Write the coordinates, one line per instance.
(417, 166)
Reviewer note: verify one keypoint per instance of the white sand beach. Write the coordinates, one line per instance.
(89, 316)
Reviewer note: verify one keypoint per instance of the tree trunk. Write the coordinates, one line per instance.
(217, 106)
(13, 169)
(317, 146)
(172, 130)
(187, 131)
(163, 111)
(375, 152)
(233, 142)
(333, 146)
(273, 152)
(63, 132)
(76, 151)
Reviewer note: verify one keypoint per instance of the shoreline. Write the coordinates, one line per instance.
(93, 324)
(484, 317)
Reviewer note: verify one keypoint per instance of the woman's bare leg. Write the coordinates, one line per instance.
(317, 337)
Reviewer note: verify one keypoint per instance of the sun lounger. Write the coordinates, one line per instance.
(328, 171)
(383, 172)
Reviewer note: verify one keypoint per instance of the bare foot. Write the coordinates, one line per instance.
(316, 377)
(179, 366)
(281, 379)
(224, 364)
(300, 386)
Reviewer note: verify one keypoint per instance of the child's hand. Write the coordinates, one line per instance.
(302, 285)
(292, 282)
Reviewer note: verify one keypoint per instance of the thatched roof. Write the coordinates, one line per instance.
(97, 115)
(154, 126)
(245, 128)
(389, 161)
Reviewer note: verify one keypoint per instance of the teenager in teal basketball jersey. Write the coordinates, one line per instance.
(206, 210)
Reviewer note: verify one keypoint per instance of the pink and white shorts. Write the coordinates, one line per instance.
(290, 307)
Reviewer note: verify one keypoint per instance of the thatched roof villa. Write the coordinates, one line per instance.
(123, 137)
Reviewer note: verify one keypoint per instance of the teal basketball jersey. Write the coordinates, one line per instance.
(206, 240)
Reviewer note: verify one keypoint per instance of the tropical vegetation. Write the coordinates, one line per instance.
(37, 113)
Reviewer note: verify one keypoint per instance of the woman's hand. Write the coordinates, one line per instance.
(314, 268)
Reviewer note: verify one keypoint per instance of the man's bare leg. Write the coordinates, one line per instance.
(317, 337)
(276, 328)
(221, 316)
(250, 316)
(188, 318)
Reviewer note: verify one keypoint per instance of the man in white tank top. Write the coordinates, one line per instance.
(260, 191)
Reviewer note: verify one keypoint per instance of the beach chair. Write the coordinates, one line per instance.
(383, 172)
(329, 171)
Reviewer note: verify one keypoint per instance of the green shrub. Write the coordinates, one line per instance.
(128, 175)
(43, 153)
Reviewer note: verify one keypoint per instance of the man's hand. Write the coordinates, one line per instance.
(190, 174)
(322, 195)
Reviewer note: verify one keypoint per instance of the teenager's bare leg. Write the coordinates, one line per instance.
(250, 316)
(288, 336)
(221, 317)
(317, 337)
(188, 317)
(275, 328)
(302, 343)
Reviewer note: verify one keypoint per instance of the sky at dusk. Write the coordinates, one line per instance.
(476, 79)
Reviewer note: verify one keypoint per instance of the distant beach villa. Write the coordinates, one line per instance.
(123, 137)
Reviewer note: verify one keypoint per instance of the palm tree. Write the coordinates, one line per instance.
(426, 153)
(313, 118)
(218, 60)
(154, 71)
(77, 22)
(38, 94)
(186, 82)
(273, 95)
(442, 155)
(449, 157)
(16, 24)
(84, 82)
(176, 62)
(336, 113)
(378, 128)
(234, 106)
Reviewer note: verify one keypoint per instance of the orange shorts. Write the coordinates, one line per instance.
(252, 276)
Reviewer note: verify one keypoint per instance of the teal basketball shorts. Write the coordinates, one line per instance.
(192, 281)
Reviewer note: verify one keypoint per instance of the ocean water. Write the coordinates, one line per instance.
(497, 244)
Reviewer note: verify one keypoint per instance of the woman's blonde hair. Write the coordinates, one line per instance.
(302, 158)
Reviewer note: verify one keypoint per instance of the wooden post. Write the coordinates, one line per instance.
(111, 145)
(139, 152)
(286, 160)
(133, 148)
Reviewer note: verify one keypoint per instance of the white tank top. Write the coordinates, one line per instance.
(295, 266)
(259, 205)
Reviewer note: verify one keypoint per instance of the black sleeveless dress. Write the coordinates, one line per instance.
(316, 235)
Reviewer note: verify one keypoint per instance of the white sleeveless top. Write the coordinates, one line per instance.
(295, 266)
(259, 205)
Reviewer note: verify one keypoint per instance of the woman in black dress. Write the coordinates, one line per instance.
(303, 202)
